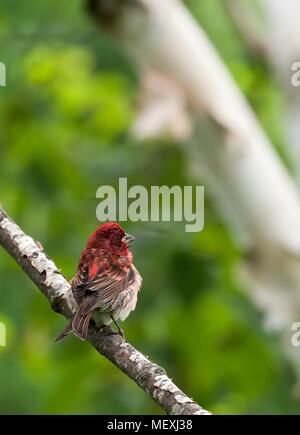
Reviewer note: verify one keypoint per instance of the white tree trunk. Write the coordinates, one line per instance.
(283, 41)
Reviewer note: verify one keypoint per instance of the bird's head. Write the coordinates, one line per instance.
(112, 233)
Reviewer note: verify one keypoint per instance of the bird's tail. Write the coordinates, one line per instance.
(79, 325)
(65, 332)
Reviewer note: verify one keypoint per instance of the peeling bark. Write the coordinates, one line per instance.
(152, 378)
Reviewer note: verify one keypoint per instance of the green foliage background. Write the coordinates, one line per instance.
(64, 120)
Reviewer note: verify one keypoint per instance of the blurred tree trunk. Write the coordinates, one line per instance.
(283, 43)
(186, 84)
(279, 43)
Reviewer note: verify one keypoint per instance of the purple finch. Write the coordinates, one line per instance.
(106, 283)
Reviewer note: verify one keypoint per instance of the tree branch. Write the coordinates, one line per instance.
(42, 271)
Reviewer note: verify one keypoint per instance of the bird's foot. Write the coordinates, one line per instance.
(121, 332)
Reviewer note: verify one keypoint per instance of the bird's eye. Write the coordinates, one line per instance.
(120, 237)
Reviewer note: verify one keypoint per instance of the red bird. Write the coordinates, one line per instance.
(106, 282)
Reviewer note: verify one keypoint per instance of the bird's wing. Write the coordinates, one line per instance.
(79, 282)
(105, 286)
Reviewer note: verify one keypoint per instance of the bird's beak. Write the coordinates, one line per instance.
(128, 239)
